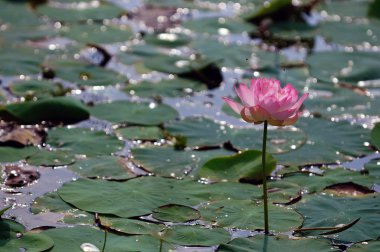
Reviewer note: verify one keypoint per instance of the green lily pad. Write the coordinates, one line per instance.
(58, 109)
(269, 10)
(327, 211)
(166, 161)
(177, 87)
(97, 33)
(139, 196)
(135, 113)
(51, 158)
(108, 167)
(16, 61)
(293, 31)
(200, 131)
(83, 141)
(51, 202)
(317, 183)
(37, 88)
(167, 39)
(71, 238)
(224, 55)
(364, 247)
(218, 26)
(84, 74)
(10, 154)
(373, 168)
(15, 238)
(248, 215)
(344, 67)
(283, 192)
(176, 213)
(243, 166)
(375, 136)
(130, 226)
(276, 243)
(76, 13)
(196, 235)
(15, 34)
(11, 11)
(140, 132)
(334, 31)
(327, 142)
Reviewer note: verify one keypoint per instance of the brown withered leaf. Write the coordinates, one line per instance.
(19, 136)
(349, 189)
(17, 176)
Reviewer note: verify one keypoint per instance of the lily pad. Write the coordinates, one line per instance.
(71, 239)
(135, 113)
(176, 213)
(248, 215)
(130, 226)
(16, 61)
(75, 12)
(326, 211)
(108, 167)
(167, 39)
(344, 67)
(15, 238)
(176, 87)
(313, 183)
(11, 11)
(375, 136)
(83, 141)
(166, 161)
(9, 154)
(327, 142)
(196, 235)
(276, 243)
(140, 132)
(51, 158)
(373, 168)
(97, 33)
(84, 74)
(17, 34)
(218, 26)
(244, 166)
(364, 247)
(37, 89)
(145, 194)
(373, 9)
(58, 109)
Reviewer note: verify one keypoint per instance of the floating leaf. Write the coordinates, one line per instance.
(75, 13)
(83, 141)
(135, 113)
(16, 61)
(97, 33)
(51, 158)
(166, 161)
(130, 226)
(9, 154)
(60, 109)
(17, 136)
(167, 39)
(176, 213)
(167, 88)
(276, 243)
(364, 247)
(196, 235)
(248, 215)
(322, 211)
(218, 26)
(125, 200)
(140, 132)
(108, 167)
(71, 238)
(15, 238)
(244, 166)
(37, 88)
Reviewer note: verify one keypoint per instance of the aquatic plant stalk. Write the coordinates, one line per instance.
(265, 190)
(105, 241)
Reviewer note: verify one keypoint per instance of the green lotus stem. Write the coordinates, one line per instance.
(160, 245)
(105, 241)
(265, 190)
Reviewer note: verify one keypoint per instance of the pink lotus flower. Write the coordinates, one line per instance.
(265, 100)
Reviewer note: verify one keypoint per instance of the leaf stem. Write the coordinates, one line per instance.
(105, 241)
(160, 245)
(265, 190)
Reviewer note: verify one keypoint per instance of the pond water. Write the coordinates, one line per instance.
(115, 108)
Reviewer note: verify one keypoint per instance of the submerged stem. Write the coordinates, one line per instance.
(105, 241)
(265, 191)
